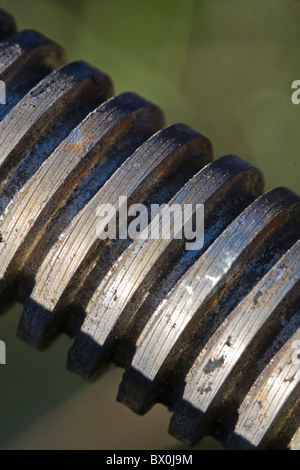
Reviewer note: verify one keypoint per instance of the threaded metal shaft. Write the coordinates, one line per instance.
(213, 334)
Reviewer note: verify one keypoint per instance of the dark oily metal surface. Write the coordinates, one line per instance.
(209, 333)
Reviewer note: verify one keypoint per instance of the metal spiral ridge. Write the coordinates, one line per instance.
(209, 333)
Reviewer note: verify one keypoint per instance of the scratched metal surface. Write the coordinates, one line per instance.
(161, 369)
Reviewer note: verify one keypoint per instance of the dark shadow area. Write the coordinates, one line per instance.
(7, 25)
(188, 425)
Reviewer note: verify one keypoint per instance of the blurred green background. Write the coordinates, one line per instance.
(223, 67)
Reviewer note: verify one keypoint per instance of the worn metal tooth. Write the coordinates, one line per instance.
(36, 114)
(7, 25)
(30, 55)
(209, 333)
(231, 353)
(26, 46)
(114, 307)
(146, 169)
(87, 94)
(190, 152)
(46, 190)
(272, 396)
(89, 144)
(187, 306)
(135, 179)
(221, 209)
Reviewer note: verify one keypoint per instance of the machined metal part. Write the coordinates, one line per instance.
(211, 333)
